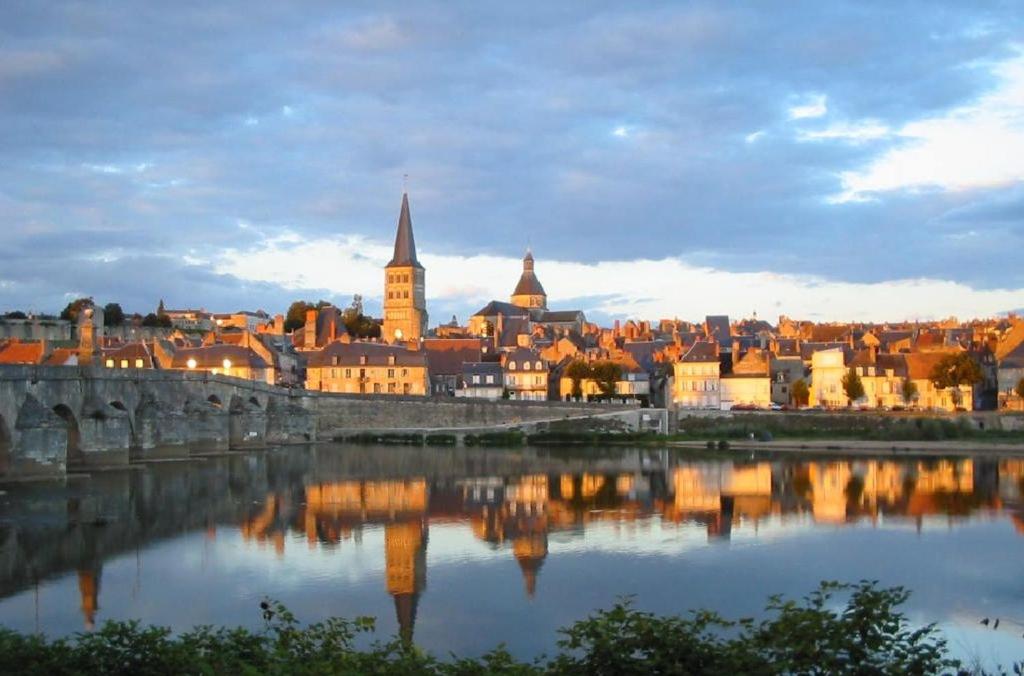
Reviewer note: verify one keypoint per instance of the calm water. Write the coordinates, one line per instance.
(464, 549)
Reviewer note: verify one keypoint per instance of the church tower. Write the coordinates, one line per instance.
(405, 304)
(529, 293)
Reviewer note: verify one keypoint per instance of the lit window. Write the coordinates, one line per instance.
(538, 366)
(391, 359)
(476, 380)
(110, 363)
(490, 380)
(362, 359)
(138, 363)
(124, 363)
(526, 366)
(511, 366)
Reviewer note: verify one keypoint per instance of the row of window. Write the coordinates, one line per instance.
(362, 359)
(526, 366)
(139, 363)
(488, 379)
(373, 373)
(704, 386)
(396, 294)
(537, 380)
(402, 278)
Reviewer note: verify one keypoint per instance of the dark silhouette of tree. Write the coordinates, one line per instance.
(852, 385)
(113, 315)
(800, 393)
(70, 312)
(909, 390)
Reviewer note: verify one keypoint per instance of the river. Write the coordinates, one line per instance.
(463, 549)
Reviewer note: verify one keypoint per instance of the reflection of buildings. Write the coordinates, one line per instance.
(523, 515)
(89, 591)
(405, 555)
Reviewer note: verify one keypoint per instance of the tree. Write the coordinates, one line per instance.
(606, 374)
(113, 315)
(801, 393)
(1020, 388)
(154, 320)
(296, 317)
(577, 370)
(70, 312)
(356, 323)
(954, 371)
(909, 391)
(852, 385)
(16, 314)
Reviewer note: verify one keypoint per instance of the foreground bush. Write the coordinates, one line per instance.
(838, 629)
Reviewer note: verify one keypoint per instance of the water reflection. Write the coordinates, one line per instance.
(513, 503)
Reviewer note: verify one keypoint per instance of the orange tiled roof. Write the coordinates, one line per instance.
(22, 353)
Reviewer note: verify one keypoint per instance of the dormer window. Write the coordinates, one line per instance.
(526, 366)
(538, 366)
(362, 359)
(334, 360)
(511, 366)
(391, 359)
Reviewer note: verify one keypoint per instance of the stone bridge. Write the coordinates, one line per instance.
(53, 419)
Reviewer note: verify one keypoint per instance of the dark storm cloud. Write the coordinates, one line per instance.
(139, 134)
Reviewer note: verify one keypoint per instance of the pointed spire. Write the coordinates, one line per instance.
(405, 244)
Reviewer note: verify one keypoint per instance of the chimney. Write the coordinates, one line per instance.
(279, 325)
(735, 351)
(616, 328)
(498, 326)
(309, 330)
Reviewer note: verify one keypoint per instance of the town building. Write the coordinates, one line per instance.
(749, 384)
(828, 367)
(525, 374)
(697, 377)
(481, 380)
(368, 368)
(405, 304)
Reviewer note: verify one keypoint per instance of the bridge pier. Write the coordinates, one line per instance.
(247, 423)
(105, 436)
(208, 426)
(289, 423)
(161, 432)
(42, 444)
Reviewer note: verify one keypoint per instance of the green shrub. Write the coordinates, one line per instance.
(440, 439)
(837, 629)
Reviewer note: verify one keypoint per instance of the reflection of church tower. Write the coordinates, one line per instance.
(405, 304)
(529, 293)
(405, 556)
(530, 551)
(89, 591)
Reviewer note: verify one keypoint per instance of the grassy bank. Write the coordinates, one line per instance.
(837, 629)
(845, 426)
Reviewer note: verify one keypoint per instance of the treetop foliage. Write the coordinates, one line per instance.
(954, 370)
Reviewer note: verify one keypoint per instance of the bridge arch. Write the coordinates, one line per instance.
(215, 400)
(74, 445)
(254, 401)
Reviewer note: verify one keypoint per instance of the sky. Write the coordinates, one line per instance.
(828, 161)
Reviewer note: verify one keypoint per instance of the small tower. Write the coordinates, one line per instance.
(405, 304)
(529, 293)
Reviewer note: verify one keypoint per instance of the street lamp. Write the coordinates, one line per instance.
(191, 363)
(227, 365)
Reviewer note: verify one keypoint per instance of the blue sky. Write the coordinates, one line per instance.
(825, 160)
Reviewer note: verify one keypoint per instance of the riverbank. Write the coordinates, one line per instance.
(968, 447)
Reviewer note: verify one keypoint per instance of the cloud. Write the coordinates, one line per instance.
(813, 105)
(980, 145)
(857, 132)
(668, 287)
